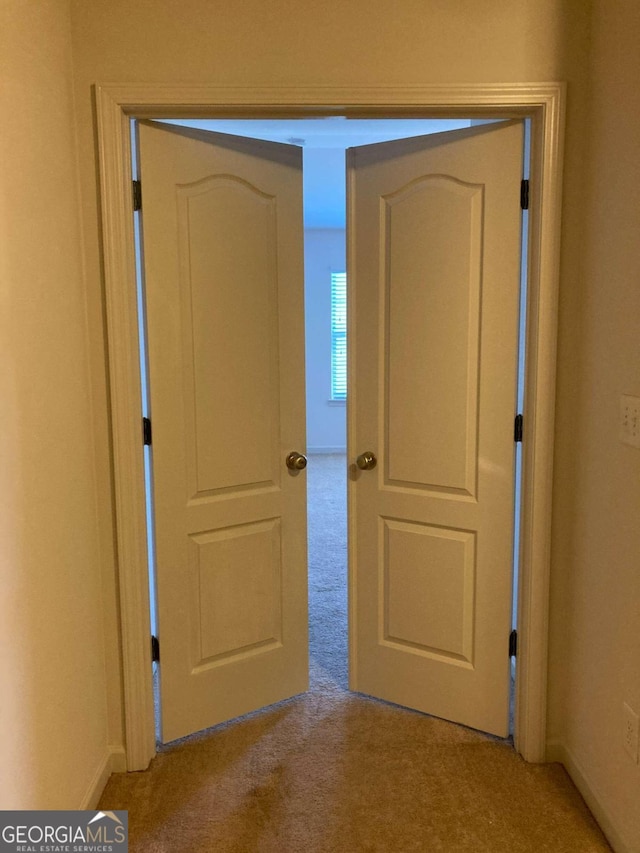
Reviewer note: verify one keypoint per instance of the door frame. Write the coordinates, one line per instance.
(544, 104)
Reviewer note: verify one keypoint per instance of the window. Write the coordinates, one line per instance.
(339, 336)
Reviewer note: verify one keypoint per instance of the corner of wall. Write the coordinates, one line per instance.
(557, 751)
(113, 761)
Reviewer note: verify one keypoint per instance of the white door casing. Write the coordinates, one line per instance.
(116, 104)
(223, 272)
(434, 275)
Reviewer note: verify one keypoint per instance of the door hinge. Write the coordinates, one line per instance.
(518, 425)
(524, 194)
(513, 644)
(155, 649)
(146, 431)
(137, 195)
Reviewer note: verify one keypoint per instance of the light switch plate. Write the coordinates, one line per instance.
(630, 420)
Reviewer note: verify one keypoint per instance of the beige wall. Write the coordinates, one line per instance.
(53, 735)
(597, 496)
(318, 41)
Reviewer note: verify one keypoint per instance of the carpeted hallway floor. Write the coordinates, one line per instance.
(327, 543)
(334, 772)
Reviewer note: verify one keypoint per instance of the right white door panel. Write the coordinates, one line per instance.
(434, 272)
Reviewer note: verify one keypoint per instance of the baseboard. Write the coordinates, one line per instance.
(114, 761)
(118, 759)
(557, 751)
(342, 450)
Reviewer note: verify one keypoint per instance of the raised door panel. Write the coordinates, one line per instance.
(427, 595)
(230, 333)
(238, 592)
(432, 238)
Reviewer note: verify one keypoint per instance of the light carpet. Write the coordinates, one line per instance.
(334, 771)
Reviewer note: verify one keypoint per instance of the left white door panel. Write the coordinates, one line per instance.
(223, 270)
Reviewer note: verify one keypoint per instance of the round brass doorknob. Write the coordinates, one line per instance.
(366, 461)
(296, 461)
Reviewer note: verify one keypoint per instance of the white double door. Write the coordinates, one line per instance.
(434, 274)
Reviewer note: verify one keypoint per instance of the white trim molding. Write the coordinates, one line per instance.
(114, 761)
(544, 105)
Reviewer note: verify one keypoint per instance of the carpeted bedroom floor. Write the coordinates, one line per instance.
(331, 771)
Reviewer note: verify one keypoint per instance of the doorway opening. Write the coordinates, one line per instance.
(324, 142)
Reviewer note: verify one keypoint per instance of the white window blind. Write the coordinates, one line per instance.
(339, 336)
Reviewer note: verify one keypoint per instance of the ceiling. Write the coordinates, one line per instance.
(324, 141)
